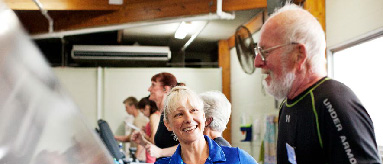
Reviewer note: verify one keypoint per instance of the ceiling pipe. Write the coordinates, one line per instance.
(46, 15)
(219, 13)
(222, 14)
(206, 17)
(193, 37)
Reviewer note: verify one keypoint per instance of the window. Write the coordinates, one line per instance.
(361, 68)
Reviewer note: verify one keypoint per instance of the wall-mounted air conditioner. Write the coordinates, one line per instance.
(123, 52)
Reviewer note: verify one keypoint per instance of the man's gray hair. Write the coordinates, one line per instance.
(302, 27)
(218, 107)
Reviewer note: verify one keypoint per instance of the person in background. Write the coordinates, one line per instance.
(321, 120)
(217, 110)
(140, 120)
(149, 109)
(164, 142)
(184, 115)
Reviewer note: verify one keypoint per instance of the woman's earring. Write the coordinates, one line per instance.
(175, 138)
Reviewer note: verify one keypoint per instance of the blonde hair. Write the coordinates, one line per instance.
(181, 96)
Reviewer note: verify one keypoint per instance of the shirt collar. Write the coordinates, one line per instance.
(216, 153)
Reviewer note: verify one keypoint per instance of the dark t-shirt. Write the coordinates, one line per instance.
(326, 124)
(222, 142)
(164, 138)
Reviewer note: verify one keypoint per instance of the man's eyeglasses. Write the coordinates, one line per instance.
(264, 53)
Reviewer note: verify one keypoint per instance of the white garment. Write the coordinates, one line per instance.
(140, 122)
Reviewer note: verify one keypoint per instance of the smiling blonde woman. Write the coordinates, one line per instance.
(185, 117)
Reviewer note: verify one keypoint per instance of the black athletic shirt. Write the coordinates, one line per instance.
(326, 124)
(164, 138)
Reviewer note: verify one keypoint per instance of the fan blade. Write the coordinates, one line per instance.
(244, 45)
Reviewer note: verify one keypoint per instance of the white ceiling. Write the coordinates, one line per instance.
(214, 31)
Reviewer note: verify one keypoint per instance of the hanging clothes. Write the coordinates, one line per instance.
(270, 140)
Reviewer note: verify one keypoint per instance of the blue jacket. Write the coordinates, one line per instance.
(217, 154)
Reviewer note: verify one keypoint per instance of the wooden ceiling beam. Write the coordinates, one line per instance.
(131, 11)
(234, 5)
(62, 5)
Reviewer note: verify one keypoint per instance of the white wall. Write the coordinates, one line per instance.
(349, 19)
(249, 100)
(81, 86)
(119, 83)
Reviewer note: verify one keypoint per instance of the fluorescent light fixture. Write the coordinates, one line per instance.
(188, 27)
(183, 30)
(203, 25)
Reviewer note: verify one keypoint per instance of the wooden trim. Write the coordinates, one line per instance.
(62, 5)
(224, 63)
(131, 11)
(253, 25)
(234, 5)
(227, 5)
(318, 9)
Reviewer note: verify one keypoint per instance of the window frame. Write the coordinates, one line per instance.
(348, 44)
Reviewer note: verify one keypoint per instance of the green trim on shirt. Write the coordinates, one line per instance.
(316, 118)
(290, 105)
(313, 107)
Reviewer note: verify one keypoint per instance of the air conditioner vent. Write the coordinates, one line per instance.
(151, 53)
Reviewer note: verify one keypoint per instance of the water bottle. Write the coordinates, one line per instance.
(120, 147)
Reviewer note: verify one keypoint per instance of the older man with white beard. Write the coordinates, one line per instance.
(320, 120)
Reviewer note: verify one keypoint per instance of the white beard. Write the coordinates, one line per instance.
(279, 88)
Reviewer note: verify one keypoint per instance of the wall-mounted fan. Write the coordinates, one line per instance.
(244, 44)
